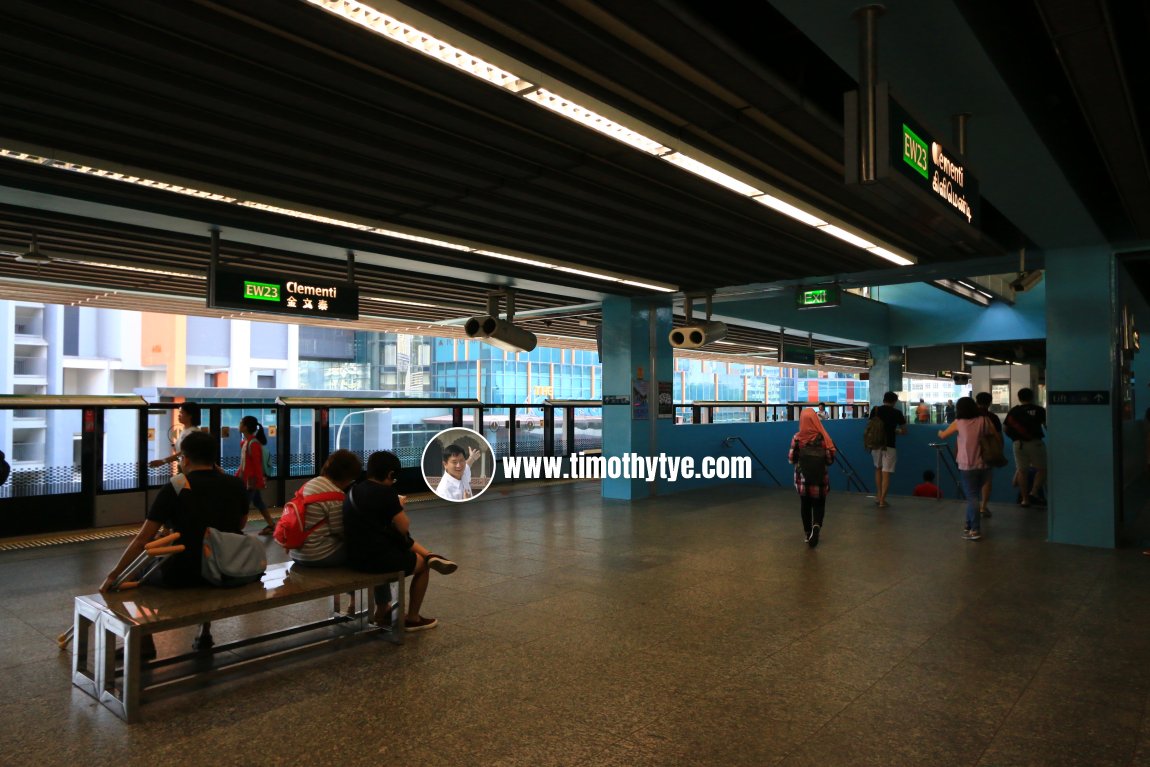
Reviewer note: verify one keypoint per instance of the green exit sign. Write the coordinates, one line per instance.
(817, 298)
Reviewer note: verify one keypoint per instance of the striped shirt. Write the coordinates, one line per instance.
(327, 539)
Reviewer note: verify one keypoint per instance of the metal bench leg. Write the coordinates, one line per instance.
(86, 671)
(123, 699)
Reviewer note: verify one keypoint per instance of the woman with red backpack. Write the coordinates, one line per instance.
(251, 469)
(812, 451)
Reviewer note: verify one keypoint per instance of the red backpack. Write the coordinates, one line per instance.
(290, 531)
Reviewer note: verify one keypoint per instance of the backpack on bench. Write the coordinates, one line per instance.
(290, 531)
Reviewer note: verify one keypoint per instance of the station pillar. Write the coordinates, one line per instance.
(1082, 449)
(886, 374)
(636, 357)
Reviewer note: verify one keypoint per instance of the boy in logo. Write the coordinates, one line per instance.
(456, 482)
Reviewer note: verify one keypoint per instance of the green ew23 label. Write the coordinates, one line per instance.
(261, 291)
(915, 152)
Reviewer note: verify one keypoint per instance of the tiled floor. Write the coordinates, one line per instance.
(695, 629)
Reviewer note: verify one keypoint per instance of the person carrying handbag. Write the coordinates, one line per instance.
(971, 427)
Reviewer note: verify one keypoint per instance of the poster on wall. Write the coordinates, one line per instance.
(640, 391)
(666, 399)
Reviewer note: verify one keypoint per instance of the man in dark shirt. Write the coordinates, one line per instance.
(201, 496)
(1025, 425)
(378, 535)
(983, 399)
(886, 458)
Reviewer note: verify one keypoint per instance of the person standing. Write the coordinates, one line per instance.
(983, 400)
(949, 411)
(251, 469)
(188, 416)
(812, 451)
(972, 469)
(1025, 425)
(922, 412)
(885, 458)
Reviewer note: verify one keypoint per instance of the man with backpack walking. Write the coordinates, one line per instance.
(1026, 426)
(885, 423)
(812, 451)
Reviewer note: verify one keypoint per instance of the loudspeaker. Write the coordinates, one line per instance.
(694, 336)
(500, 334)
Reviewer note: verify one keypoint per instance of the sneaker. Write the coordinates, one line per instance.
(267, 530)
(807, 537)
(441, 565)
(814, 539)
(986, 513)
(973, 535)
(421, 625)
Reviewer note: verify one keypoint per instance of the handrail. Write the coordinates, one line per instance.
(852, 476)
(939, 449)
(731, 440)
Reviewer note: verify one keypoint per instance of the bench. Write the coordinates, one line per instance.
(101, 619)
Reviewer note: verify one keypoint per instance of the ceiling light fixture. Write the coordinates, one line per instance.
(321, 219)
(392, 29)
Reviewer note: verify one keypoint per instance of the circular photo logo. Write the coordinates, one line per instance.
(458, 464)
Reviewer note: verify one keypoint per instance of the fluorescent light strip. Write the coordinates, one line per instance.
(392, 29)
(127, 268)
(279, 210)
(774, 203)
(401, 303)
(846, 236)
(709, 173)
(595, 122)
(890, 256)
(395, 30)
(115, 176)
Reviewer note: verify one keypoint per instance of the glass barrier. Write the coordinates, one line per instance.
(588, 429)
(362, 431)
(121, 450)
(50, 456)
(302, 441)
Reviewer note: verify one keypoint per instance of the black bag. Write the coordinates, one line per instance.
(5, 469)
(990, 445)
(813, 461)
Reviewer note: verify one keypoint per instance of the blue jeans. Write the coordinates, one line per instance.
(256, 498)
(972, 482)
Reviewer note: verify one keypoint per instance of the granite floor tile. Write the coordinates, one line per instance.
(690, 629)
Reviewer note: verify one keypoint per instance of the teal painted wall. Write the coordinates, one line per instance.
(1080, 355)
(629, 326)
(914, 314)
(921, 315)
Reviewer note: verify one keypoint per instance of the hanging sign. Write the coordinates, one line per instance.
(252, 291)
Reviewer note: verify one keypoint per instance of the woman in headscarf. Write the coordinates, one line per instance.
(812, 451)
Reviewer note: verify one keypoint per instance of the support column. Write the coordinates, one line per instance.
(634, 342)
(1081, 445)
(886, 375)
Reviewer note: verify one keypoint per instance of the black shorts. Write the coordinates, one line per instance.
(388, 560)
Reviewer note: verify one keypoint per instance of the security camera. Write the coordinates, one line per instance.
(500, 334)
(694, 336)
(1026, 280)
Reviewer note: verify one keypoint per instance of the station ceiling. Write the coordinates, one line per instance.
(281, 103)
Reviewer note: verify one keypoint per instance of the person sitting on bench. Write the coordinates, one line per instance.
(378, 533)
(198, 498)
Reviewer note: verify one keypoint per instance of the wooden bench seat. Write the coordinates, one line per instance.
(101, 619)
